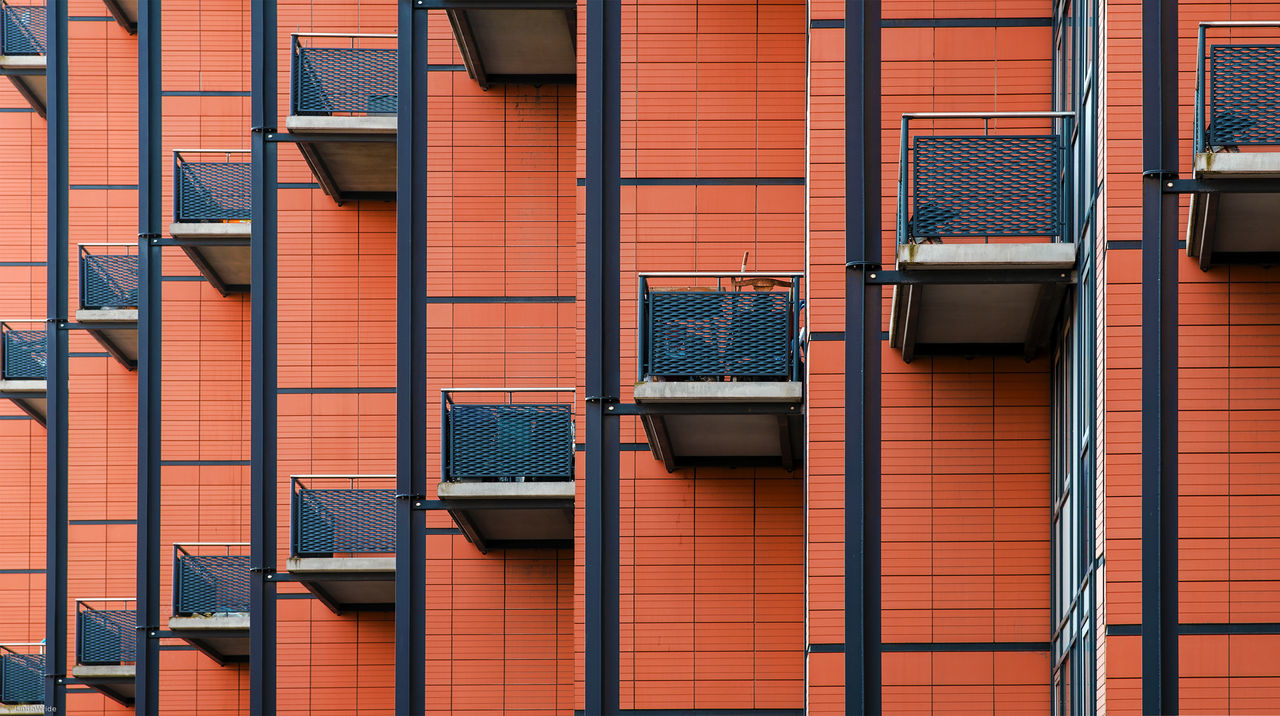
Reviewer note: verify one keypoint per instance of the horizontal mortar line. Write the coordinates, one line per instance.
(969, 646)
(29, 570)
(16, 417)
(182, 278)
(307, 391)
(827, 336)
(297, 185)
(623, 447)
(100, 354)
(825, 648)
(91, 18)
(202, 463)
(23, 263)
(102, 522)
(293, 595)
(444, 530)
(16, 109)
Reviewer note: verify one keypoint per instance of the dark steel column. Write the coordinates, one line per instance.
(262, 587)
(411, 361)
(862, 357)
(150, 186)
(603, 293)
(1159, 359)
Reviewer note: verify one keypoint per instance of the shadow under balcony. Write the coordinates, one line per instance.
(211, 599)
(106, 642)
(507, 477)
(984, 263)
(212, 208)
(516, 42)
(125, 13)
(21, 678)
(22, 366)
(109, 298)
(720, 369)
(344, 528)
(22, 51)
(343, 112)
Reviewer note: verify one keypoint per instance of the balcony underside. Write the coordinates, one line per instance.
(503, 515)
(125, 12)
(346, 584)
(219, 250)
(351, 157)
(1235, 228)
(737, 424)
(222, 637)
(28, 395)
(27, 73)
(116, 330)
(116, 681)
(517, 45)
(1010, 307)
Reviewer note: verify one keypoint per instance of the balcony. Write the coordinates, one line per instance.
(984, 259)
(106, 641)
(507, 467)
(125, 13)
(211, 598)
(1236, 150)
(109, 298)
(22, 678)
(23, 346)
(22, 51)
(212, 207)
(516, 42)
(720, 368)
(343, 112)
(343, 529)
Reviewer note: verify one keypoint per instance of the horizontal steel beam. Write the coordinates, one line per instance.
(1221, 186)
(964, 277)
(705, 408)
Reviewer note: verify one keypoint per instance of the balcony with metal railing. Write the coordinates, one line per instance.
(22, 678)
(507, 465)
(344, 539)
(212, 209)
(211, 598)
(23, 361)
(720, 368)
(985, 258)
(342, 112)
(106, 642)
(109, 298)
(1235, 207)
(22, 50)
(516, 41)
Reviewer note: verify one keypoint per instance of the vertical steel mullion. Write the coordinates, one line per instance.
(411, 359)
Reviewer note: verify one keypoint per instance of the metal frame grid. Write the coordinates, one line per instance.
(343, 80)
(337, 518)
(22, 673)
(210, 583)
(23, 352)
(508, 441)
(728, 329)
(22, 29)
(106, 636)
(208, 191)
(983, 185)
(1243, 97)
(109, 280)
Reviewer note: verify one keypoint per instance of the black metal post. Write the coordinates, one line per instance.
(411, 360)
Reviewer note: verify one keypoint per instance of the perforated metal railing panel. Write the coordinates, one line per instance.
(24, 30)
(336, 520)
(22, 678)
(987, 186)
(511, 441)
(356, 80)
(213, 191)
(1244, 95)
(719, 333)
(110, 281)
(212, 584)
(106, 636)
(24, 355)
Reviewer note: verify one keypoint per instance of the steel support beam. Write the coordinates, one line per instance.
(411, 360)
(1159, 359)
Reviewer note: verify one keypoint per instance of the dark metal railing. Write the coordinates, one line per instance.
(507, 441)
(743, 325)
(210, 578)
(212, 191)
(105, 635)
(22, 673)
(343, 514)
(22, 29)
(983, 185)
(108, 280)
(1243, 99)
(23, 352)
(352, 80)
